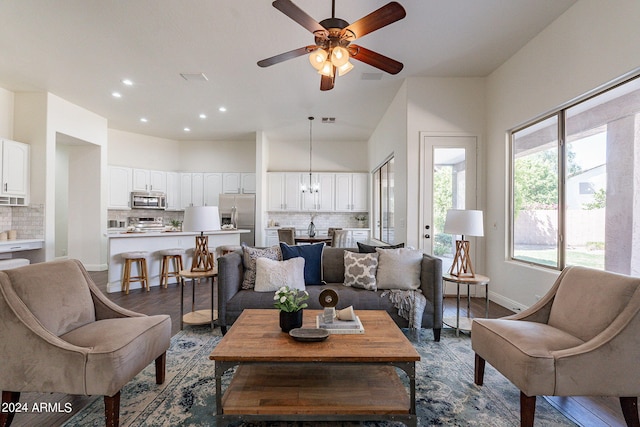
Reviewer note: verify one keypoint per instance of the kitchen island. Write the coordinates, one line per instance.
(153, 242)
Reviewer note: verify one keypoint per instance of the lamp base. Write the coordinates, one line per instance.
(462, 266)
(202, 258)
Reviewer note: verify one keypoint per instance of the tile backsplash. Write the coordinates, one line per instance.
(321, 219)
(28, 221)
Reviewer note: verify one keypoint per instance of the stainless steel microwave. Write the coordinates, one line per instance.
(148, 200)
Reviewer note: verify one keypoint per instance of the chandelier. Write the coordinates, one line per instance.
(312, 188)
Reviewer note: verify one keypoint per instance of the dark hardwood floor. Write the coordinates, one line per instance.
(167, 301)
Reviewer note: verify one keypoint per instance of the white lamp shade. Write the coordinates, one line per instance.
(464, 222)
(201, 218)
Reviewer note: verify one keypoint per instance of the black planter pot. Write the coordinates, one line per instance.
(290, 320)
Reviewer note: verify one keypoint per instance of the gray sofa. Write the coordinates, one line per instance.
(232, 299)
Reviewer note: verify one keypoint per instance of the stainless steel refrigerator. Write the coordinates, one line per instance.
(240, 210)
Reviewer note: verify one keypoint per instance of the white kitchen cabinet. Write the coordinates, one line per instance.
(191, 189)
(248, 183)
(271, 237)
(356, 236)
(173, 191)
(351, 192)
(15, 173)
(120, 181)
(231, 183)
(213, 184)
(321, 198)
(283, 191)
(149, 180)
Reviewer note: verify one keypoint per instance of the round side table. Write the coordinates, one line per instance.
(464, 323)
(197, 317)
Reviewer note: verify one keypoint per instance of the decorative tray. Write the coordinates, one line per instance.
(309, 334)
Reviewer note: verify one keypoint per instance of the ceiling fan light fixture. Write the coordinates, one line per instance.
(327, 69)
(317, 58)
(339, 56)
(345, 68)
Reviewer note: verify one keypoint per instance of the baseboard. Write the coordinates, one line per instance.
(506, 302)
(95, 267)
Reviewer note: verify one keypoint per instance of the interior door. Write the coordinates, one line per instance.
(448, 166)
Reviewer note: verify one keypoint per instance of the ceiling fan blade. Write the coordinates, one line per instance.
(300, 16)
(326, 83)
(375, 59)
(377, 19)
(285, 56)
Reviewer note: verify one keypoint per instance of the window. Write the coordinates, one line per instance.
(383, 205)
(575, 178)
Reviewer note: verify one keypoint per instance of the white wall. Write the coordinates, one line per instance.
(142, 151)
(327, 156)
(6, 113)
(591, 44)
(218, 156)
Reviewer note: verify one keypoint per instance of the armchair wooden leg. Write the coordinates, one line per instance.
(112, 410)
(161, 363)
(630, 411)
(478, 377)
(8, 397)
(527, 410)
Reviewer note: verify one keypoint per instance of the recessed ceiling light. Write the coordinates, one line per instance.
(222, 109)
(187, 130)
(143, 119)
(127, 82)
(203, 116)
(116, 95)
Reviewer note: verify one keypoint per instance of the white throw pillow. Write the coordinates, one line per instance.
(398, 268)
(271, 275)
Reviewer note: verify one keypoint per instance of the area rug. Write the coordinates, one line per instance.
(445, 392)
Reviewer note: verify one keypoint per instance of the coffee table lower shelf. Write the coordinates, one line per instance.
(308, 392)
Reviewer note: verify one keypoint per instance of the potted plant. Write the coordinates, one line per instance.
(361, 220)
(175, 224)
(290, 302)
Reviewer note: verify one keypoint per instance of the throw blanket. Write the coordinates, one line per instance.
(410, 304)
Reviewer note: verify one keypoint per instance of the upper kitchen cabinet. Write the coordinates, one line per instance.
(191, 189)
(173, 191)
(119, 187)
(351, 192)
(321, 196)
(239, 183)
(15, 173)
(149, 180)
(213, 185)
(284, 191)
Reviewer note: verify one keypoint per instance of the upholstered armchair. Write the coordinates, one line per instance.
(581, 339)
(59, 333)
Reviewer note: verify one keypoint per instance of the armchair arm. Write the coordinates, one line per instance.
(431, 287)
(607, 364)
(19, 330)
(230, 275)
(539, 312)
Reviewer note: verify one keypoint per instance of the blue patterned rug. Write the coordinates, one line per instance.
(445, 395)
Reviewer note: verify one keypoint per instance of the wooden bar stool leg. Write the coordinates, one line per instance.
(164, 275)
(127, 276)
(145, 277)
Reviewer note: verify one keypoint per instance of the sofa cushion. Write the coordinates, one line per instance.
(398, 268)
(368, 249)
(249, 257)
(58, 311)
(360, 270)
(271, 275)
(312, 255)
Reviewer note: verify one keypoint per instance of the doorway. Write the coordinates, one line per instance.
(448, 169)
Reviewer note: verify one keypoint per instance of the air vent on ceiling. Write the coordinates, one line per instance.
(371, 76)
(328, 120)
(194, 77)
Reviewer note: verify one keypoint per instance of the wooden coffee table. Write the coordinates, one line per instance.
(346, 377)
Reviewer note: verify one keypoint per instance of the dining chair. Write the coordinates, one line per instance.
(287, 235)
(340, 238)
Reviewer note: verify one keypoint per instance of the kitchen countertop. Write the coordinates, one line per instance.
(20, 245)
(321, 228)
(124, 234)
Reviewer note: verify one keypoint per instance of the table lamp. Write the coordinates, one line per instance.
(201, 219)
(463, 222)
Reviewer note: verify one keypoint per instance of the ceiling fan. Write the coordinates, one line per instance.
(333, 36)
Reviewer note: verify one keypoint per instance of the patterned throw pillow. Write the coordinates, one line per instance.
(249, 257)
(271, 275)
(360, 270)
(399, 268)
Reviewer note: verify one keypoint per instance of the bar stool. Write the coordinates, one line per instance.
(169, 255)
(140, 259)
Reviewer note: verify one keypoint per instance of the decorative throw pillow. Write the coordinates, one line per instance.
(360, 270)
(398, 268)
(249, 257)
(272, 275)
(312, 255)
(368, 249)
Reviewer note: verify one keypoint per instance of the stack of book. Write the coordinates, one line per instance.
(340, 326)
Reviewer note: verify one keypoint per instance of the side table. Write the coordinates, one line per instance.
(199, 317)
(465, 323)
